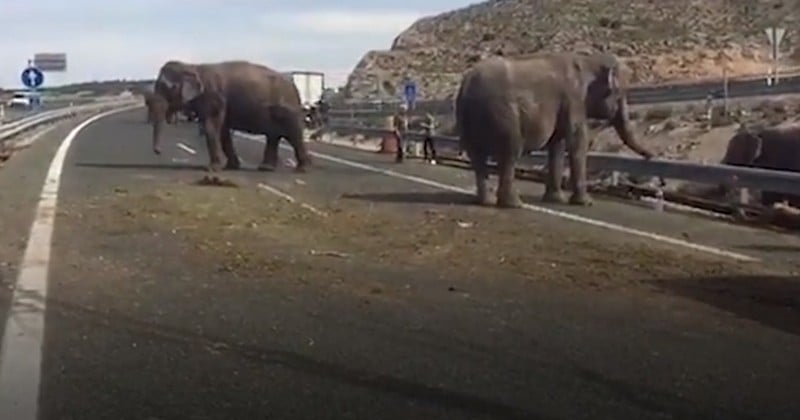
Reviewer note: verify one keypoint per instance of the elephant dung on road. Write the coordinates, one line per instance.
(236, 95)
(769, 148)
(509, 106)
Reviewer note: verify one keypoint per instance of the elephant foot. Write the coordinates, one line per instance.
(484, 200)
(300, 169)
(554, 197)
(510, 201)
(233, 164)
(581, 199)
(266, 167)
(214, 167)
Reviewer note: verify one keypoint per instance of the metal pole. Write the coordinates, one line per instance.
(725, 87)
(775, 54)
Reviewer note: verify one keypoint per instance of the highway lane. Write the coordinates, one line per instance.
(169, 300)
(775, 248)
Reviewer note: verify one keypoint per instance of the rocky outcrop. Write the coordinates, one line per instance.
(659, 40)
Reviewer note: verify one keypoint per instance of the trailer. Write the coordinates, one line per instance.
(310, 85)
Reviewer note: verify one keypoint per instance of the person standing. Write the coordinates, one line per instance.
(427, 144)
(400, 125)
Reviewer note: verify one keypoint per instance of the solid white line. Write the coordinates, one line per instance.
(564, 215)
(186, 148)
(21, 355)
(291, 199)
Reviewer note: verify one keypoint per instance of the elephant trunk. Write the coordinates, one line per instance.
(621, 123)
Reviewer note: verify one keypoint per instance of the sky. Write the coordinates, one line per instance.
(106, 39)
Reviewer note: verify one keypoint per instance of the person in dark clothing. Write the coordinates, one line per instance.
(429, 124)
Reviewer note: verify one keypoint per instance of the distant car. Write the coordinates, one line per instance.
(20, 100)
(24, 100)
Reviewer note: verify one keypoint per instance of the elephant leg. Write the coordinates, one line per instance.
(578, 147)
(507, 197)
(555, 170)
(270, 160)
(478, 160)
(295, 138)
(213, 128)
(233, 161)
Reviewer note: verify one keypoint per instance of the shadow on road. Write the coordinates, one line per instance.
(772, 248)
(415, 197)
(769, 300)
(165, 166)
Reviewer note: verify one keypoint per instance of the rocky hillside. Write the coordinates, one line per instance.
(659, 40)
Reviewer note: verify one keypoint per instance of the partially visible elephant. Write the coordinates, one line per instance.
(769, 148)
(506, 107)
(158, 108)
(236, 95)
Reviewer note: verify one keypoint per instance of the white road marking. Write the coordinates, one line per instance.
(186, 148)
(291, 199)
(557, 213)
(21, 356)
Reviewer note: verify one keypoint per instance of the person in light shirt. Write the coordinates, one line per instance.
(400, 125)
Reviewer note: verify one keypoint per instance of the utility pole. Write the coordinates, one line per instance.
(775, 36)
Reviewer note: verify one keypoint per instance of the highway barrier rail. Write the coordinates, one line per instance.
(716, 174)
(637, 95)
(16, 127)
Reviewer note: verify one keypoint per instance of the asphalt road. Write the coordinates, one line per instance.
(157, 308)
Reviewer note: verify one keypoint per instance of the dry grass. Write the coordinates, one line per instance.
(255, 234)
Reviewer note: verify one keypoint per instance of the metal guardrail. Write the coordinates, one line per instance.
(638, 95)
(14, 128)
(733, 176)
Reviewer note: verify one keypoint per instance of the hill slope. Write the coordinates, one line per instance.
(660, 40)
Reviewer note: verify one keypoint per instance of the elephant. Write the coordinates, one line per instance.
(236, 95)
(505, 107)
(158, 108)
(775, 148)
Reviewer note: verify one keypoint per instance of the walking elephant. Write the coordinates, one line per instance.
(769, 148)
(236, 95)
(506, 107)
(158, 108)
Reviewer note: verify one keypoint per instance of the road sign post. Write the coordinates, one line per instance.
(410, 93)
(775, 36)
(32, 78)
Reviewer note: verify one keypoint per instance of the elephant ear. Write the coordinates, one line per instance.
(612, 78)
(191, 86)
(753, 147)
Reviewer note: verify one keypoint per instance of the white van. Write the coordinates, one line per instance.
(23, 100)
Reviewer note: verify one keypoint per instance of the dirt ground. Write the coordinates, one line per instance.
(255, 234)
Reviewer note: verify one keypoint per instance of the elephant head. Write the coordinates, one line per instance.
(743, 148)
(179, 84)
(606, 97)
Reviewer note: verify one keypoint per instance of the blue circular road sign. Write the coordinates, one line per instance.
(32, 77)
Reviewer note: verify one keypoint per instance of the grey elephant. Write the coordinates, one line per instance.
(506, 107)
(235, 95)
(769, 148)
(158, 108)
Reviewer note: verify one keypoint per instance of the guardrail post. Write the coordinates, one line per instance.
(659, 204)
(744, 196)
(2, 113)
(614, 178)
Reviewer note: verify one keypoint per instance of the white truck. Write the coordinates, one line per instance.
(310, 85)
